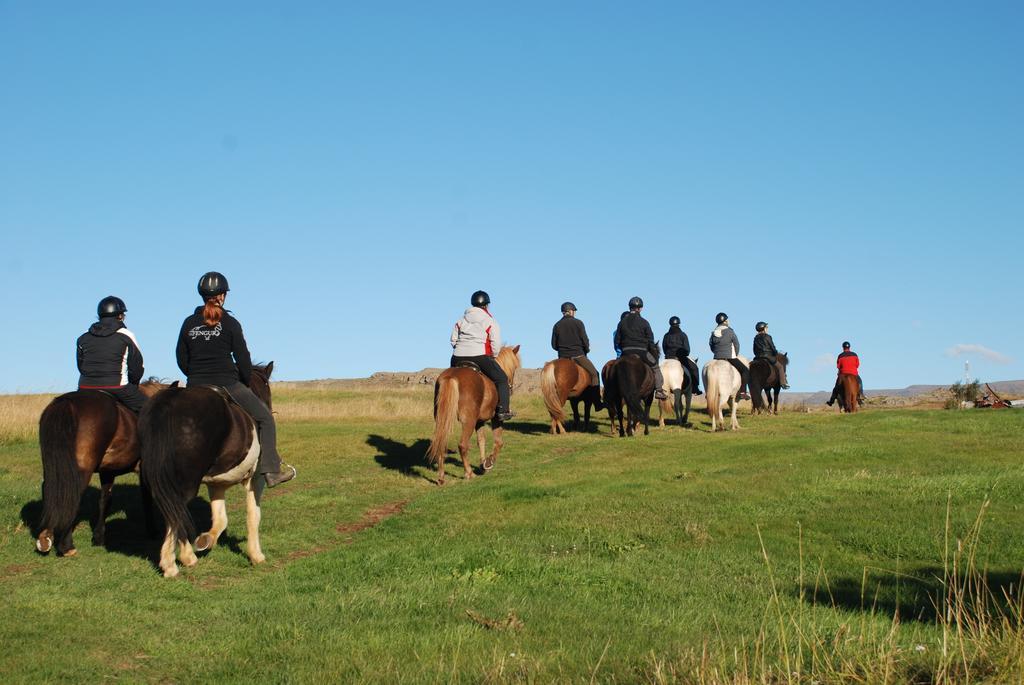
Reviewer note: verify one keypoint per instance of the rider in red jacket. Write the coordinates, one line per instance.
(847, 362)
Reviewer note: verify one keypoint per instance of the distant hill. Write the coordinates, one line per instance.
(528, 380)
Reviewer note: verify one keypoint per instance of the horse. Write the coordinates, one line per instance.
(199, 435)
(677, 383)
(721, 383)
(467, 395)
(849, 391)
(764, 377)
(82, 433)
(635, 387)
(612, 398)
(564, 379)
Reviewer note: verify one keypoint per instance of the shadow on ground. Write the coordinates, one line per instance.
(400, 457)
(915, 595)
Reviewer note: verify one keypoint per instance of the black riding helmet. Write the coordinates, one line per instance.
(568, 307)
(846, 345)
(480, 299)
(674, 321)
(111, 306)
(212, 283)
(636, 303)
(760, 326)
(721, 317)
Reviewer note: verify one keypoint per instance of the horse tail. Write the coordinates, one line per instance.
(446, 409)
(158, 465)
(549, 389)
(714, 393)
(62, 483)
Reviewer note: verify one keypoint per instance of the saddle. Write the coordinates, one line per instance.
(466, 364)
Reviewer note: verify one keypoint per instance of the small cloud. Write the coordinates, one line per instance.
(823, 361)
(980, 350)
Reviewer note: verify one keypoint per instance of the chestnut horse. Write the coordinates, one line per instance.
(467, 395)
(564, 379)
(848, 392)
(82, 433)
(199, 435)
(764, 377)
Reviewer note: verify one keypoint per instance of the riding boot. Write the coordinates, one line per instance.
(694, 374)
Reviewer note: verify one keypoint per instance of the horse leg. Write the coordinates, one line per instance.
(733, 423)
(647, 416)
(100, 529)
(252, 522)
(586, 416)
(481, 443)
(575, 404)
(167, 563)
(218, 518)
(186, 554)
(686, 415)
(496, 432)
(677, 405)
(66, 542)
(467, 430)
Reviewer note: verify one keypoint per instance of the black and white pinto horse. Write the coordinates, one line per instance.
(198, 435)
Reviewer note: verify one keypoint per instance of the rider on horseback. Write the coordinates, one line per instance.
(109, 358)
(615, 336)
(725, 345)
(212, 351)
(847, 362)
(634, 335)
(764, 348)
(676, 345)
(476, 338)
(569, 339)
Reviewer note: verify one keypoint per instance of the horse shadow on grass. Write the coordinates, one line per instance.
(400, 457)
(529, 427)
(918, 594)
(127, 535)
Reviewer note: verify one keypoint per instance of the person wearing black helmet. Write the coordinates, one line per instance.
(212, 351)
(764, 348)
(725, 345)
(634, 335)
(569, 339)
(109, 358)
(676, 345)
(476, 338)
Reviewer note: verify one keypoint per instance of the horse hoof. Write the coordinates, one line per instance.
(259, 559)
(171, 572)
(204, 542)
(97, 542)
(488, 464)
(70, 553)
(44, 544)
(189, 563)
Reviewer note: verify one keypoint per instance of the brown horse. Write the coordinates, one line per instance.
(199, 435)
(564, 379)
(764, 378)
(849, 392)
(82, 433)
(469, 396)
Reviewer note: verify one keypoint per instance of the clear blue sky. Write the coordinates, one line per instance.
(841, 170)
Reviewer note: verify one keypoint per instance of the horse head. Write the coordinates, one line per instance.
(783, 358)
(259, 382)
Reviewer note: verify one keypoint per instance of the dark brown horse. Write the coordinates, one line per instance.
(764, 378)
(849, 391)
(564, 379)
(634, 386)
(199, 435)
(469, 396)
(82, 433)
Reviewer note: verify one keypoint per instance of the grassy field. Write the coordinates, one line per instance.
(885, 546)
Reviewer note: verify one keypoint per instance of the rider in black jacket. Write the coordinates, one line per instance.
(764, 348)
(109, 358)
(634, 335)
(212, 351)
(569, 339)
(676, 345)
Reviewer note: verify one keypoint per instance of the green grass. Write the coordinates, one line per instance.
(780, 553)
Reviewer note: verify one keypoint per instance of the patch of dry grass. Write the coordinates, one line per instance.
(313, 404)
(19, 417)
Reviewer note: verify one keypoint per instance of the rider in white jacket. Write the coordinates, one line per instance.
(476, 337)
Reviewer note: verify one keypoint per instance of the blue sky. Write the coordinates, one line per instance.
(841, 170)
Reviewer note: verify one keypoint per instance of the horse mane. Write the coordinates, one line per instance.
(155, 380)
(508, 360)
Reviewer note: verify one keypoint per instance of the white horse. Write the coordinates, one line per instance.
(721, 383)
(675, 377)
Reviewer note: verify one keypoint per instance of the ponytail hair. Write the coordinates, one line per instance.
(214, 310)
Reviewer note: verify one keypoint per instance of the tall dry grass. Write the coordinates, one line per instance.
(19, 417)
(313, 404)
